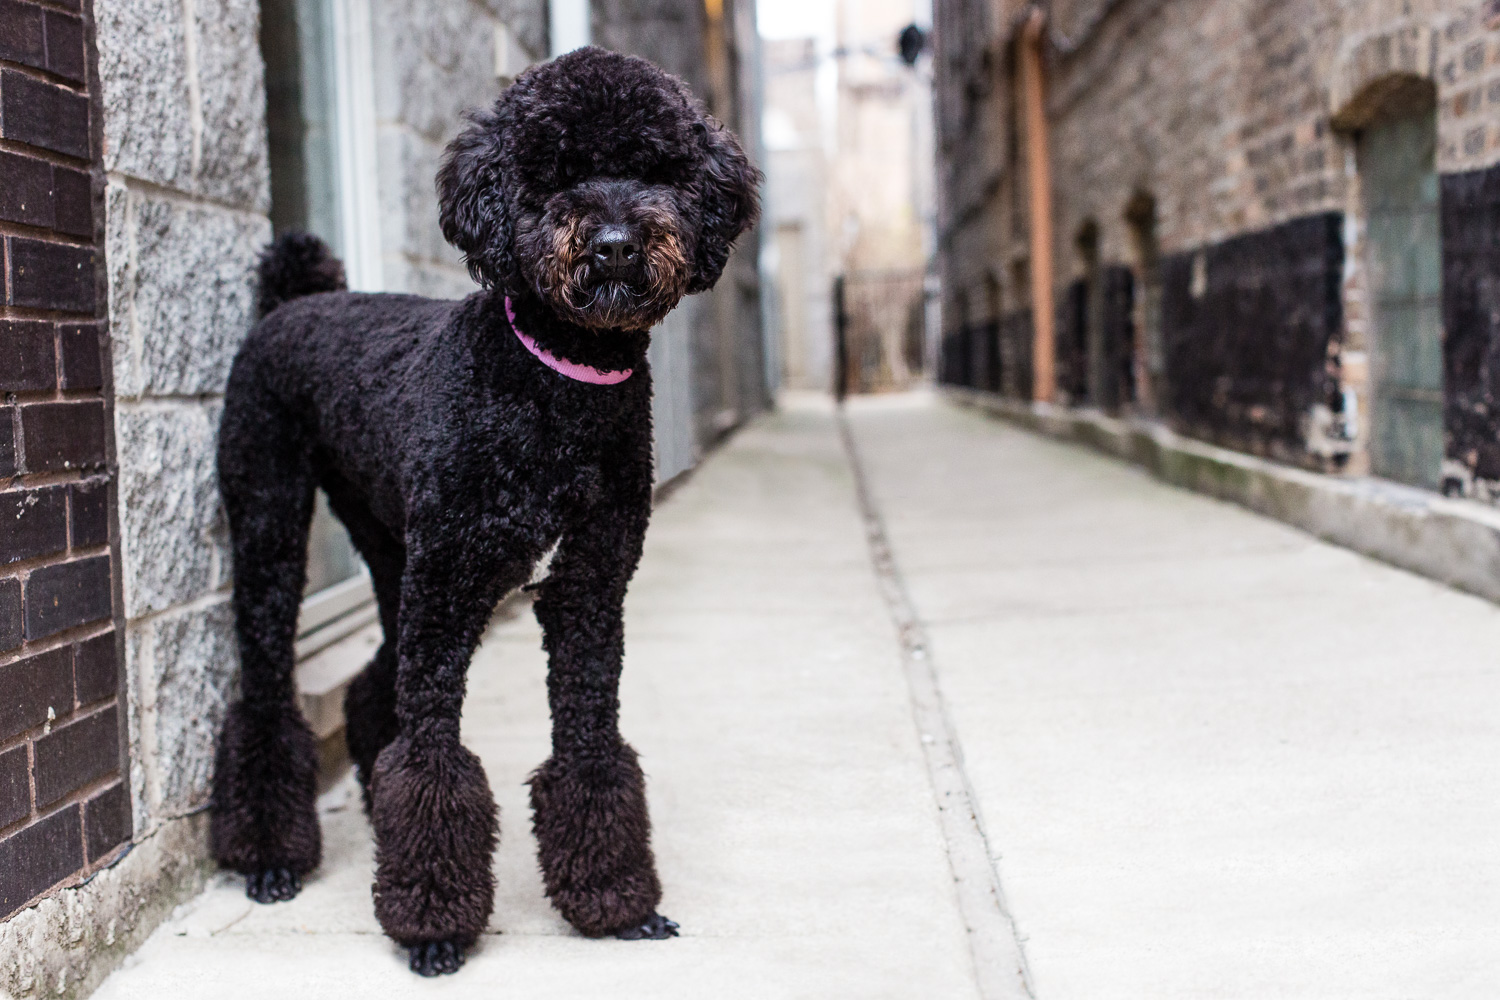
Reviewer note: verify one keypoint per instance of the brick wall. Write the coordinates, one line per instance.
(64, 807)
(1231, 119)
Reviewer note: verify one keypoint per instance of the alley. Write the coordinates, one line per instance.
(1212, 756)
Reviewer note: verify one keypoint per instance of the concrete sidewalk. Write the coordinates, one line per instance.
(1214, 757)
(794, 823)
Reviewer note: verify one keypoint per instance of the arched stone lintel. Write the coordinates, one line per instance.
(1384, 73)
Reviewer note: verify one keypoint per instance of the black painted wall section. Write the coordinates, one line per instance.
(1073, 344)
(1254, 345)
(1073, 362)
(1119, 335)
(1471, 319)
(993, 356)
(1016, 340)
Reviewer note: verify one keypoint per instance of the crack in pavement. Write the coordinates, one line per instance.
(999, 960)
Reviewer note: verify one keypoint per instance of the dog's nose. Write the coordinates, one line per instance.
(617, 250)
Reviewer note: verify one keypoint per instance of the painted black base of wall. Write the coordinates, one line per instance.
(1471, 320)
(993, 356)
(1251, 334)
(1073, 345)
(1116, 384)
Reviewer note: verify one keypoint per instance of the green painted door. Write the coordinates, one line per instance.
(1399, 175)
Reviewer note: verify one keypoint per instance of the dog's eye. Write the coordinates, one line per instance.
(699, 128)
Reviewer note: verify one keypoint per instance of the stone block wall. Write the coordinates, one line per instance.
(186, 206)
(64, 807)
(434, 60)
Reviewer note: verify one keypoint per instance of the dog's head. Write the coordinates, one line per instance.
(597, 182)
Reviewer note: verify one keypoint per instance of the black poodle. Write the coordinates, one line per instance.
(459, 442)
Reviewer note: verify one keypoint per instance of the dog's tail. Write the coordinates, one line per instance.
(296, 264)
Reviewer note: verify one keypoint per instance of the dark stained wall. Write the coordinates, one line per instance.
(1251, 329)
(1471, 321)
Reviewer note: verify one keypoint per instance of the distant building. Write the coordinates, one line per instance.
(1270, 224)
(848, 133)
(148, 150)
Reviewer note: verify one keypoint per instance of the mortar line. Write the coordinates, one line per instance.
(1000, 969)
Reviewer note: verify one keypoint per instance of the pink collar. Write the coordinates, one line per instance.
(572, 369)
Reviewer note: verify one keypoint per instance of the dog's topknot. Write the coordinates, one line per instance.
(589, 115)
(296, 264)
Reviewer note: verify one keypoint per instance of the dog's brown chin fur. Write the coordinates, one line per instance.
(611, 319)
(562, 280)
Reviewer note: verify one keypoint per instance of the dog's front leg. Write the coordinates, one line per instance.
(434, 816)
(588, 800)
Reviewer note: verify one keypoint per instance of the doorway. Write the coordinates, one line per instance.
(1397, 162)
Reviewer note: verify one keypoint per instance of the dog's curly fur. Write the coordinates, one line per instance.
(457, 459)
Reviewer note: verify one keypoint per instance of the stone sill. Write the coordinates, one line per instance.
(1454, 541)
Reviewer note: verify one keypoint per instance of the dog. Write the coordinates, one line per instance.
(460, 442)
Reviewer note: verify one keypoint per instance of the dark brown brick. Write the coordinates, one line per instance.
(65, 595)
(10, 614)
(26, 192)
(22, 37)
(41, 114)
(96, 669)
(27, 358)
(51, 275)
(74, 755)
(15, 786)
(88, 513)
(73, 202)
(82, 361)
(63, 435)
(33, 523)
(29, 687)
(65, 46)
(36, 858)
(106, 821)
(7, 442)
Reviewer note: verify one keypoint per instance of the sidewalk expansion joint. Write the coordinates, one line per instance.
(999, 961)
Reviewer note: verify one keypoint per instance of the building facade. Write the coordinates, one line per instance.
(148, 150)
(1271, 225)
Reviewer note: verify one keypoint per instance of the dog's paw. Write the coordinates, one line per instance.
(436, 958)
(274, 885)
(654, 928)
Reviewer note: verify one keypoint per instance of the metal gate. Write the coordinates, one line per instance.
(879, 325)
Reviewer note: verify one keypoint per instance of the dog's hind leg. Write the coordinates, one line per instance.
(434, 816)
(588, 800)
(264, 819)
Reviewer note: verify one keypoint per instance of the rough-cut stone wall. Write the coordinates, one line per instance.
(433, 60)
(186, 208)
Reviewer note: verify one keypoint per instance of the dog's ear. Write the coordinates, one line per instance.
(472, 197)
(730, 202)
